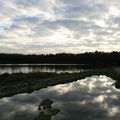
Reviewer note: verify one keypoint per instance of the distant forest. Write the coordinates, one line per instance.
(93, 58)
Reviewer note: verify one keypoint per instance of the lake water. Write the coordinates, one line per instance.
(24, 68)
(92, 98)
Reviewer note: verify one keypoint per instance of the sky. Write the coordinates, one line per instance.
(57, 26)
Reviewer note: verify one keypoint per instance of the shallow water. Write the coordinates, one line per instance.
(92, 98)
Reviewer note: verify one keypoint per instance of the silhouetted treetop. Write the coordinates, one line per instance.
(62, 58)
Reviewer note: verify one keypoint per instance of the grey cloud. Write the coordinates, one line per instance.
(76, 25)
(27, 18)
(26, 2)
(83, 8)
(86, 25)
(114, 19)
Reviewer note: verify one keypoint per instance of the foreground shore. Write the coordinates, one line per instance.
(12, 84)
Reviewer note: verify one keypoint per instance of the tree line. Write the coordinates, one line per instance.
(62, 58)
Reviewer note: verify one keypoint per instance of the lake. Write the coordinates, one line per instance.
(90, 98)
(27, 68)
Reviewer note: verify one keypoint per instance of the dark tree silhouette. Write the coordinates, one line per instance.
(93, 58)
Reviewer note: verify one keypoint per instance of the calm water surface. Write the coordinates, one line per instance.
(27, 68)
(92, 98)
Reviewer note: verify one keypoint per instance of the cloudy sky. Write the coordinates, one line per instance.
(55, 26)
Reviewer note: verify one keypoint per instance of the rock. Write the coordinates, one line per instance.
(45, 104)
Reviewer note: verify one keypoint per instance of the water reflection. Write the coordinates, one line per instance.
(46, 110)
(117, 69)
(39, 68)
(92, 98)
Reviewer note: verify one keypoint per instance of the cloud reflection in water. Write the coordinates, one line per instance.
(86, 99)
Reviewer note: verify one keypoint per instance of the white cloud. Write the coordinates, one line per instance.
(44, 26)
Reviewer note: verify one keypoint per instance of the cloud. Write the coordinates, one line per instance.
(44, 26)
